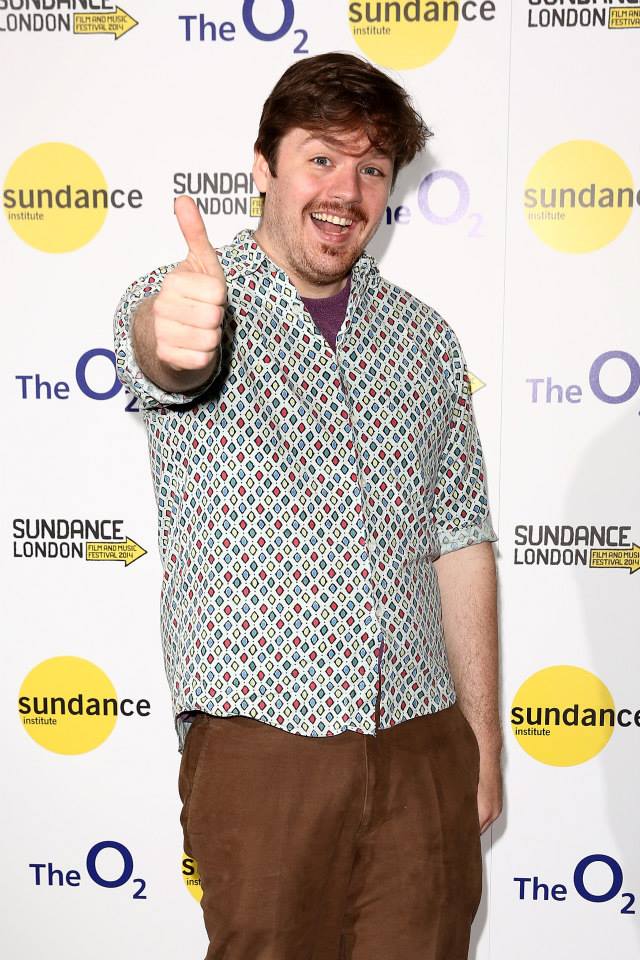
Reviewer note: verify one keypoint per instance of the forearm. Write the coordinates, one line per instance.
(145, 349)
(468, 590)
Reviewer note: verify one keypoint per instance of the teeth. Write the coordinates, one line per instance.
(342, 221)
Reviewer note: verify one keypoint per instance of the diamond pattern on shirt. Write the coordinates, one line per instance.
(302, 497)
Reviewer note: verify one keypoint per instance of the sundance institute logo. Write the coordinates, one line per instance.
(579, 196)
(413, 32)
(191, 877)
(56, 197)
(565, 715)
(69, 705)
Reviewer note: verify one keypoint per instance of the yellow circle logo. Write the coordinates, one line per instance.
(68, 705)
(191, 877)
(579, 196)
(563, 716)
(402, 35)
(55, 197)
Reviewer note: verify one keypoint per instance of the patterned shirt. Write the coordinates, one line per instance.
(303, 496)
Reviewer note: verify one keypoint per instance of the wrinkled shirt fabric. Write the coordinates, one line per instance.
(303, 495)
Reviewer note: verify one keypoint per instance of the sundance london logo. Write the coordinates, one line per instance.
(75, 538)
(596, 546)
(581, 14)
(76, 17)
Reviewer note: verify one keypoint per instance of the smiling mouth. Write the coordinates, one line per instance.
(332, 227)
(332, 218)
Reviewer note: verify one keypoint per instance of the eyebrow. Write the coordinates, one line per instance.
(330, 142)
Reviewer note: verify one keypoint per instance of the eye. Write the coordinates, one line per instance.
(321, 161)
(373, 171)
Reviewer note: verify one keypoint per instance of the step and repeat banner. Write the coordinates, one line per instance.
(520, 225)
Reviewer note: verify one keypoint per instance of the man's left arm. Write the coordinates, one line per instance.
(468, 590)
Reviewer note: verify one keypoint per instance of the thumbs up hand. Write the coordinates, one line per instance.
(189, 310)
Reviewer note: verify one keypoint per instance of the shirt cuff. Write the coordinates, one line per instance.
(455, 539)
(150, 394)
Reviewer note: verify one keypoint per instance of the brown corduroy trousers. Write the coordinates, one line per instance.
(348, 847)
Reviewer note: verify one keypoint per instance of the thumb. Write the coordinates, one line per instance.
(201, 253)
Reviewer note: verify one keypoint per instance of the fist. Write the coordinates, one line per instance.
(189, 310)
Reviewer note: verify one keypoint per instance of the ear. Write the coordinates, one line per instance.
(261, 172)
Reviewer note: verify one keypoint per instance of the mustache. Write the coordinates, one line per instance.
(350, 211)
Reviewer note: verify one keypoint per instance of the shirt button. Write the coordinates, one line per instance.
(380, 611)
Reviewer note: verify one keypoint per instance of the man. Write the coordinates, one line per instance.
(325, 537)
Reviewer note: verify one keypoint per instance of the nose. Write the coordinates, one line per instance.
(345, 184)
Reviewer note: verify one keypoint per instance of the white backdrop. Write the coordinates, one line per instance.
(515, 81)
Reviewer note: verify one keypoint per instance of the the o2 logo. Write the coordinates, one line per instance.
(596, 376)
(264, 20)
(108, 864)
(95, 378)
(614, 377)
(597, 878)
(444, 200)
(84, 381)
(456, 206)
(613, 886)
(248, 18)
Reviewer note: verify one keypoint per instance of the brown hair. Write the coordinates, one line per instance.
(340, 92)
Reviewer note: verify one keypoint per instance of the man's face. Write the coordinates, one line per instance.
(318, 176)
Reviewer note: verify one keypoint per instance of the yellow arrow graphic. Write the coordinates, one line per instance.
(127, 550)
(475, 383)
(625, 558)
(118, 22)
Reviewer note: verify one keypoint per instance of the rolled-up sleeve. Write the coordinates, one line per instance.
(129, 373)
(460, 511)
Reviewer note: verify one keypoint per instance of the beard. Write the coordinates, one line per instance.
(317, 263)
(327, 265)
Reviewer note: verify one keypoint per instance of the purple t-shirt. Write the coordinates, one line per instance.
(329, 312)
